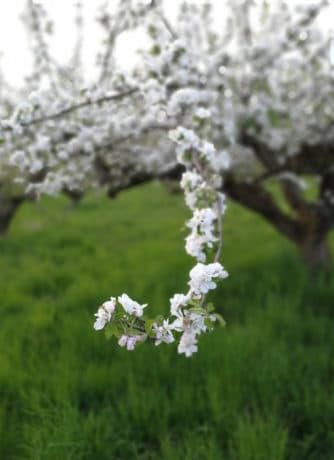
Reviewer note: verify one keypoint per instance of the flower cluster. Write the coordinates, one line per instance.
(202, 235)
(190, 314)
(124, 319)
(202, 277)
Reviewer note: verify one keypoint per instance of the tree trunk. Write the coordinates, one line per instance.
(75, 195)
(8, 208)
(315, 252)
(308, 228)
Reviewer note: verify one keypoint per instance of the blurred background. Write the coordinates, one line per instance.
(90, 207)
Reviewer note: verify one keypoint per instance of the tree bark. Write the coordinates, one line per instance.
(75, 195)
(257, 198)
(8, 208)
(315, 252)
(316, 222)
(308, 229)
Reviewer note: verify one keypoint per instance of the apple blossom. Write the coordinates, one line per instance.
(189, 314)
(177, 302)
(130, 306)
(163, 333)
(202, 277)
(104, 314)
(188, 344)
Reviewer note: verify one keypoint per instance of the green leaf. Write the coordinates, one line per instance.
(118, 315)
(155, 50)
(194, 302)
(149, 325)
(159, 320)
(198, 310)
(209, 323)
(108, 331)
(133, 331)
(221, 320)
(210, 307)
(113, 329)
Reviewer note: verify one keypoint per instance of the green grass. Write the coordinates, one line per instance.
(260, 389)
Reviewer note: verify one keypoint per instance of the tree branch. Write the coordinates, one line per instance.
(75, 107)
(256, 198)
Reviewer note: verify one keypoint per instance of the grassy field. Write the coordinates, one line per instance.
(260, 389)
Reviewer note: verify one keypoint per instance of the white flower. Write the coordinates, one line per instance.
(130, 346)
(182, 98)
(202, 225)
(202, 113)
(216, 270)
(18, 159)
(62, 155)
(208, 151)
(191, 200)
(186, 137)
(223, 161)
(110, 305)
(104, 313)
(129, 341)
(130, 306)
(123, 340)
(201, 277)
(36, 166)
(190, 321)
(197, 323)
(190, 180)
(194, 247)
(163, 333)
(188, 344)
(203, 222)
(187, 141)
(178, 301)
(35, 98)
(43, 143)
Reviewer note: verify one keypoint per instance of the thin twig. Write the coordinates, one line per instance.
(107, 56)
(270, 174)
(168, 26)
(75, 107)
(220, 228)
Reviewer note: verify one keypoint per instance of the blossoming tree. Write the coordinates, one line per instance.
(265, 77)
(248, 105)
(267, 81)
(69, 144)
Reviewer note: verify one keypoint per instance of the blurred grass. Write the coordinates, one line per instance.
(261, 389)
